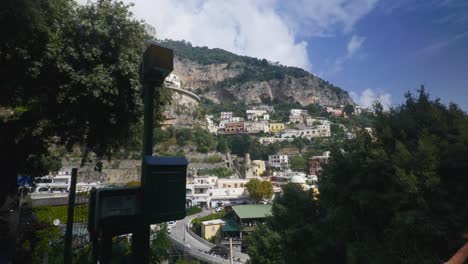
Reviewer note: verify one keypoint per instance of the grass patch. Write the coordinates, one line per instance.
(192, 210)
(49, 213)
(213, 159)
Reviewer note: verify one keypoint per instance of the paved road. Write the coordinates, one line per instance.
(181, 235)
(179, 232)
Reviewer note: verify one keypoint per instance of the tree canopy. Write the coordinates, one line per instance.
(259, 190)
(398, 196)
(70, 76)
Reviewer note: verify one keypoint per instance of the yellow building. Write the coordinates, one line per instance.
(211, 228)
(258, 167)
(276, 127)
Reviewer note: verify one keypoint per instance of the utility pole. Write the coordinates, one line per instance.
(231, 259)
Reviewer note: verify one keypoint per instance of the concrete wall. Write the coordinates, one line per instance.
(211, 230)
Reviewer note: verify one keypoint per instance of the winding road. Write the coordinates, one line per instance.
(197, 247)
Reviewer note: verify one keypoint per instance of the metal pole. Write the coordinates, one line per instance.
(141, 236)
(67, 258)
(231, 259)
(148, 117)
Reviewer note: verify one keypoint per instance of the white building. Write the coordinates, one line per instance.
(198, 192)
(229, 196)
(258, 126)
(255, 115)
(278, 161)
(297, 112)
(222, 123)
(232, 119)
(235, 119)
(231, 183)
(290, 133)
(296, 119)
(309, 121)
(317, 131)
(270, 140)
(226, 115)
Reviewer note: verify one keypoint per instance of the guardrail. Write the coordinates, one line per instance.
(186, 92)
(201, 240)
(202, 256)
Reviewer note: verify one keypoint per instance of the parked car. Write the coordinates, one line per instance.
(218, 209)
(171, 224)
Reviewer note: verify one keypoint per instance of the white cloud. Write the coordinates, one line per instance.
(325, 17)
(442, 44)
(354, 44)
(369, 96)
(268, 29)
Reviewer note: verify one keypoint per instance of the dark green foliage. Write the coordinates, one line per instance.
(268, 246)
(160, 246)
(222, 145)
(70, 75)
(183, 137)
(397, 197)
(212, 108)
(282, 108)
(296, 230)
(316, 110)
(239, 144)
(349, 109)
(365, 119)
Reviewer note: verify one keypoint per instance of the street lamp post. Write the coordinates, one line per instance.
(157, 65)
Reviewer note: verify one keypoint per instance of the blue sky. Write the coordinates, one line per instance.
(417, 42)
(375, 49)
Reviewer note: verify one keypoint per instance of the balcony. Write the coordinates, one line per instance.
(200, 194)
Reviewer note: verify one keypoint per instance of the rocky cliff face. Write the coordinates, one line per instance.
(222, 76)
(194, 75)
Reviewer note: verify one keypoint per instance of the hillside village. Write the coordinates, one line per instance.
(218, 180)
(121, 145)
